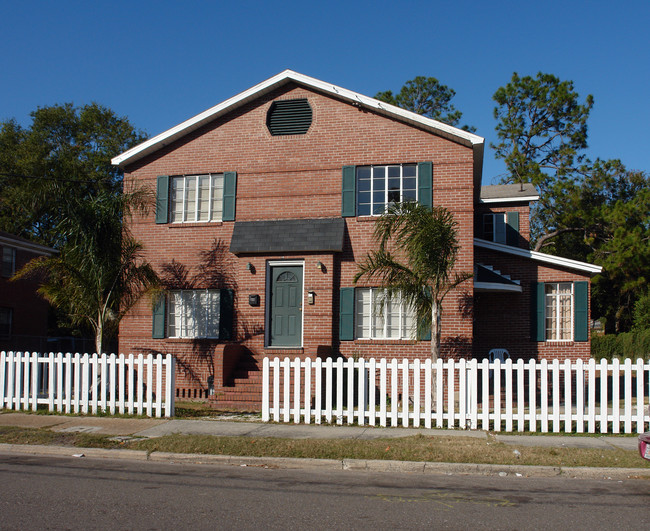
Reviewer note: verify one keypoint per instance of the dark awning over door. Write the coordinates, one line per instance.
(288, 235)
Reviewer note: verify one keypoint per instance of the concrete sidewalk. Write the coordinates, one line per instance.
(254, 428)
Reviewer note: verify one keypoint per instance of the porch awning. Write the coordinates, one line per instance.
(288, 235)
(487, 278)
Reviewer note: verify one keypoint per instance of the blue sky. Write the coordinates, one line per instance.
(159, 63)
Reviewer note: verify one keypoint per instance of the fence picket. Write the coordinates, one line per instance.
(568, 412)
(580, 390)
(296, 390)
(383, 391)
(627, 368)
(532, 396)
(307, 391)
(3, 378)
(328, 386)
(603, 396)
(339, 390)
(521, 408)
(616, 396)
(265, 390)
(640, 399)
(372, 371)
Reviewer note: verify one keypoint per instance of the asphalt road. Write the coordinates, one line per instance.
(75, 493)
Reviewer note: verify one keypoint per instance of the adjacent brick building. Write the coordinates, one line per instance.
(23, 313)
(267, 202)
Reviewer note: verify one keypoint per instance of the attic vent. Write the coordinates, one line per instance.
(289, 117)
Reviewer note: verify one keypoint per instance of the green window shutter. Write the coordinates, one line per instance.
(346, 314)
(424, 335)
(512, 229)
(349, 193)
(162, 199)
(158, 328)
(425, 184)
(581, 301)
(537, 324)
(229, 195)
(227, 311)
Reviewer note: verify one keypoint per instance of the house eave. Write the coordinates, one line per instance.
(159, 141)
(539, 257)
(496, 288)
(510, 199)
(24, 245)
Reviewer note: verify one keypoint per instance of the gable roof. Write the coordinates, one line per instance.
(186, 127)
(508, 193)
(539, 257)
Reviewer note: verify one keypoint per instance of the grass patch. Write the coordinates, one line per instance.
(14, 435)
(416, 448)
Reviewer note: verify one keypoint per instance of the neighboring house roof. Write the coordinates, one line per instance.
(288, 76)
(11, 240)
(508, 193)
(288, 235)
(538, 257)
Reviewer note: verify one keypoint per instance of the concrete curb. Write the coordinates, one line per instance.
(370, 465)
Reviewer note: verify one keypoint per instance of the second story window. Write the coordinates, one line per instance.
(196, 198)
(8, 261)
(494, 227)
(379, 186)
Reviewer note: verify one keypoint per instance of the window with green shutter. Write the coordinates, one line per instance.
(198, 313)
(196, 198)
(560, 311)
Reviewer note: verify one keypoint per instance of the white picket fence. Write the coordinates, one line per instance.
(523, 396)
(88, 383)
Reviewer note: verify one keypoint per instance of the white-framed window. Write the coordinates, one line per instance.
(8, 261)
(558, 311)
(379, 186)
(196, 198)
(494, 227)
(5, 322)
(396, 321)
(193, 313)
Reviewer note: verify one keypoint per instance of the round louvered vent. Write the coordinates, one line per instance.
(289, 117)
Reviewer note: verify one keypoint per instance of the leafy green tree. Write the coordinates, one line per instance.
(642, 313)
(603, 216)
(415, 262)
(542, 131)
(99, 274)
(428, 97)
(65, 152)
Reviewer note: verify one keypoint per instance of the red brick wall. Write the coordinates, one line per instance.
(295, 177)
(502, 320)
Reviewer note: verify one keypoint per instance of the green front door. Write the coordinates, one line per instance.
(285, 317)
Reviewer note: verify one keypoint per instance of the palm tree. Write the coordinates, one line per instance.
(427, 240)
(98, 274)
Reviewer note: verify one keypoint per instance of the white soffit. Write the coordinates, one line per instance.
(184, 128)
(510, 199)
(539, 257)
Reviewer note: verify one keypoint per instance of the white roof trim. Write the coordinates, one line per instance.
(26, 246)
(510, 199)
(539, 257)
(493, 286)
(182, 129)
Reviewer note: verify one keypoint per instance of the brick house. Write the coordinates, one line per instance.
(265, 204)
(23, 313)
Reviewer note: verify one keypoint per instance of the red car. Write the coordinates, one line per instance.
(644, 445)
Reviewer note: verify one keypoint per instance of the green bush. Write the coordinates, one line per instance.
(635, 344)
